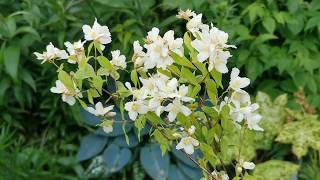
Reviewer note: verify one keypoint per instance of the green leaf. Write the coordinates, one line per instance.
(195, 90)
(26, 77)
(313, 22)
(66, 79)
(97, 83)
(139, 123)
(183, 61)
(301, 134)
(269, 24)
(28, 29)
(212, 90)
(273, 117)
(11, 59)
(162, 141)
(134, 77)
(86, 72)
(105, 63)
(217, 77)
(188, 76)
(274, 169)
(154, 119)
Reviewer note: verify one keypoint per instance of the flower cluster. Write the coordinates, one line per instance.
(241, 108)
(67, 95)
(51, 53)
(210, 42)
(169, 83)
(187, 142)
(156, 90)
(158, 50)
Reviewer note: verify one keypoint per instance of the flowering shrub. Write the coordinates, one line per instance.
(176, 86)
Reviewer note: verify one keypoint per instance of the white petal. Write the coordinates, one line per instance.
(202, 56)
(189, 149)
(194, 142)
(133, 115)
(248, 165)
(185, 110)
(91, 110)
(172, 116)
(180, 145)
(234, 73)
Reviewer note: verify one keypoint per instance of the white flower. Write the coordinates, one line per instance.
(219, 61)
(240, 96)
(194, 24)
(187, 144)
(97, 33)
(140, 94)
(173, 44)
(153, 34)
(211, 46)
(158, 50)
(119, 61)
(75, 49)
(51, 53)
(182, 94)
(138, 54)
(191, 130)
(220, 175)
(99, 110)
(176, 107)
(135, 107)
(67, 96)
(247, 113)
(252, 120)
(248, 165)
(155, 105)
(238, 114)
(225, 177)
(185, 14)
(107, 129)
(236, 82)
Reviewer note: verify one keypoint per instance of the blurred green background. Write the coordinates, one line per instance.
(278, 49)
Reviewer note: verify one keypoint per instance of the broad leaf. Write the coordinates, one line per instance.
(91, 145)
(156, 165)
(115, 158)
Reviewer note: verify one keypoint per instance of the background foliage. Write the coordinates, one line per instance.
(278, 47)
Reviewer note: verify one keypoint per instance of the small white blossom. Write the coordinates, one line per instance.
(194, 24)
(240, 96)
(97, 33)
(211, 46)
(51, 53)
(187, 144)
(248, 165)
(153, 35)
(75, 49)
(220, 175)
(99, 110)
(135, 107)
(119, 61)
(158, 50)
(176, 107)
(236, 82)
(191, 130)
(67, 96)
(247, 113)
(185, 14)
(252, 120)
(107, 129)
